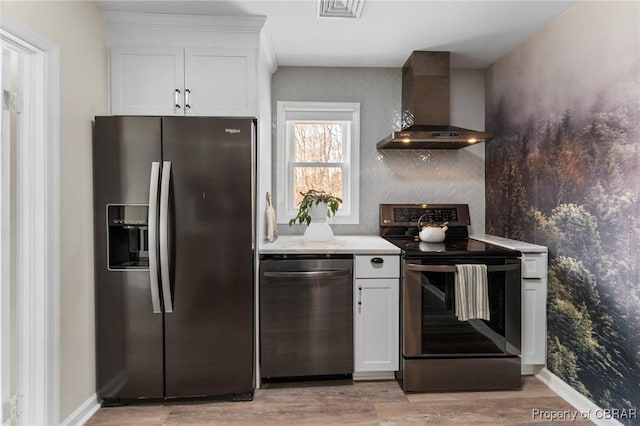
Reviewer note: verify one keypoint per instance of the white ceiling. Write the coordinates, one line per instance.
(476, 32)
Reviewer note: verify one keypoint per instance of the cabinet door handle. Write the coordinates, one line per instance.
(176, 99)
(187, 103)
(360, 296)
(377, 260)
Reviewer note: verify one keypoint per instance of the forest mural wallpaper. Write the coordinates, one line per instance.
(564, 172)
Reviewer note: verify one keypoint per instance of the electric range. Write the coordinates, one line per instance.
(440, 352)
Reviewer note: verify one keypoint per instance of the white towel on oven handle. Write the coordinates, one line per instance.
(471, 292)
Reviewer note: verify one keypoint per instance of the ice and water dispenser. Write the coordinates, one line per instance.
(128, 236)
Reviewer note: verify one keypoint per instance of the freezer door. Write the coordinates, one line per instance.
(209, 335)
(128, 333)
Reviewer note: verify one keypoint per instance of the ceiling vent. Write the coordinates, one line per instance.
(340, 8)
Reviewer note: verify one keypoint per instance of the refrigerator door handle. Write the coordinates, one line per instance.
(152, 222)
(164, 236)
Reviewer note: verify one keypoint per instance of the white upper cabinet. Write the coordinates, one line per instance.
(199, 81)
(147, 80)
(184, 65)
(220, 81)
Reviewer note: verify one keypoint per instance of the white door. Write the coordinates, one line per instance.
(8, 124)
(147, 80)
(29, 219)
(220, 82)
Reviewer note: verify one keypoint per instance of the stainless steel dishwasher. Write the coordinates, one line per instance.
(306, 315)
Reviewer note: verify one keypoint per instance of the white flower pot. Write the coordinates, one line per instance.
(318, 229)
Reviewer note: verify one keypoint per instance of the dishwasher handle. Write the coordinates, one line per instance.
(308, 274)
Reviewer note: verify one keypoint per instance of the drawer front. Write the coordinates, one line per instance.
(534, 265)
(373, 266)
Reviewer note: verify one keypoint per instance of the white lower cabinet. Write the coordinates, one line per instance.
(376, 315)
(534, 262)
(534, 322)
(534, 310)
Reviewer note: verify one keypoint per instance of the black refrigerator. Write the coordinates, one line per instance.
(174, 257)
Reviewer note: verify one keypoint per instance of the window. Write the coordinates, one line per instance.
(318, 148)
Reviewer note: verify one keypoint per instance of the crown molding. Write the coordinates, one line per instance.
(266, 44)
(165, 22)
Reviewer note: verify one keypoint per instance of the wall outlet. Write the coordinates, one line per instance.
(6, 412)
(14, 413)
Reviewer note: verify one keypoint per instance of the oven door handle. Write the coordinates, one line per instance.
(452, 268)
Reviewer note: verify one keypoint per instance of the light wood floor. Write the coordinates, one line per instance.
(360, 403)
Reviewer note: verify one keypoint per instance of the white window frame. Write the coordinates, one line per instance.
(346, 112)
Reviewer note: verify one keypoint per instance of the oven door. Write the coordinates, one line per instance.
(431, 328)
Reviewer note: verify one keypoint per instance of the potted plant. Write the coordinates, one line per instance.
(313, 198)
(314, 209)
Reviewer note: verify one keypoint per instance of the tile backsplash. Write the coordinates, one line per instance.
(388, 176)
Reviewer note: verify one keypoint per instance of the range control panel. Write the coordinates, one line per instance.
(408, 214)
(430, 214)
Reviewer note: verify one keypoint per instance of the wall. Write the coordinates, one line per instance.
(394, 176)
(267, 65)
(76, 27)
(565, 172)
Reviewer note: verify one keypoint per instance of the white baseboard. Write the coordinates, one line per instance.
(83, 413)
(584, 405)
(531, 370)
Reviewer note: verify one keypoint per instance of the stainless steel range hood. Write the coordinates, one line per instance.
(426, 105)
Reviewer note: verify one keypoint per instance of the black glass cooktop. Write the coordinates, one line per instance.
(398, 224)
(456, 247)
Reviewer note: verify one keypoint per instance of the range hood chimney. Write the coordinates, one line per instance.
(426, 105)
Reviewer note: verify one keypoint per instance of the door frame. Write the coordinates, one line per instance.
(37, 229)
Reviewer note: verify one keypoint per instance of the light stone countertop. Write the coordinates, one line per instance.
(511, 244)
(354, 244)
